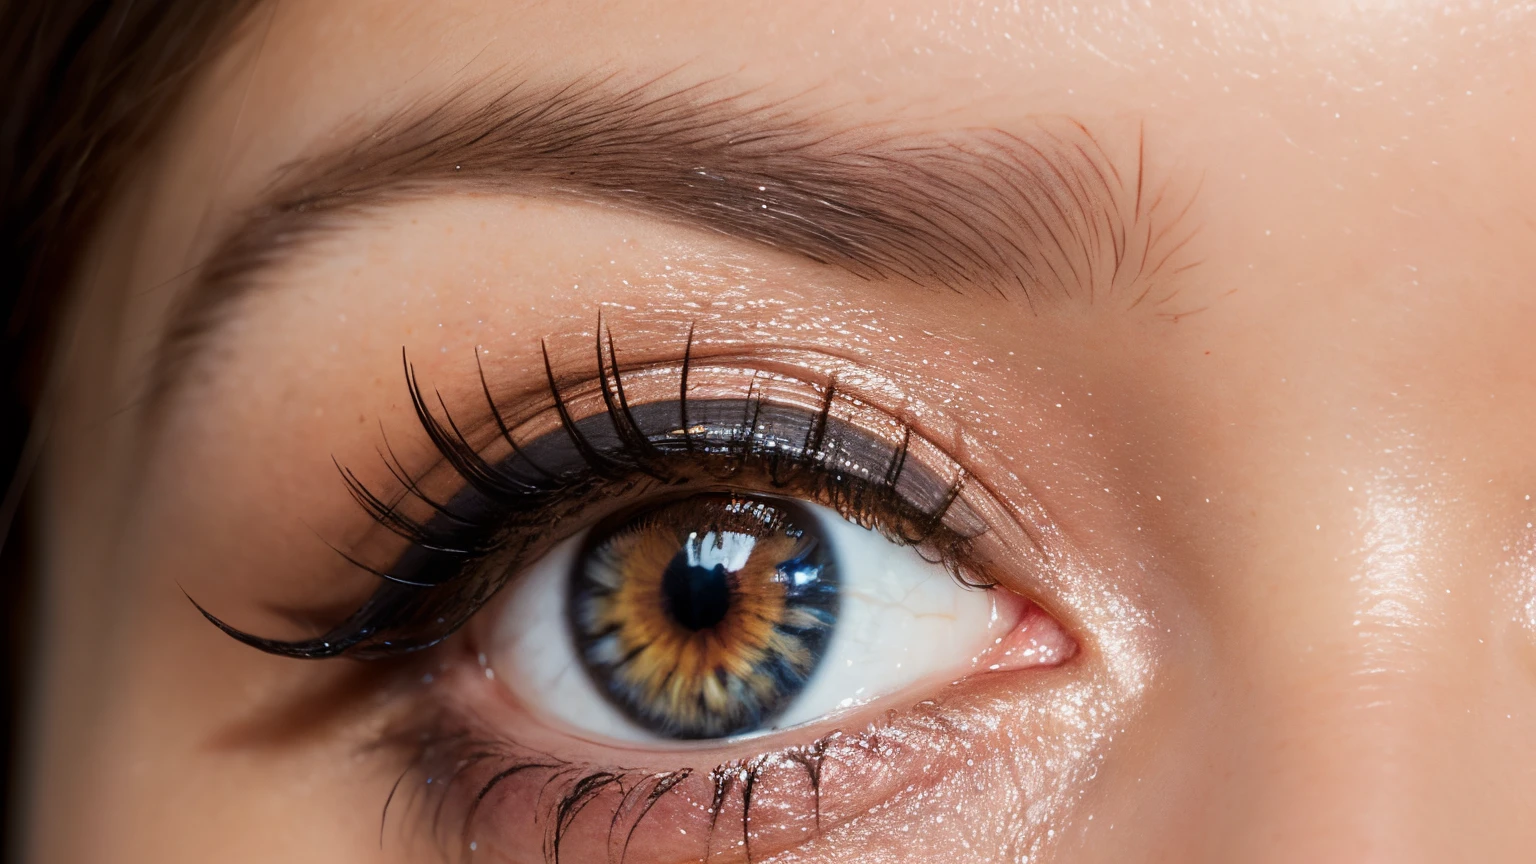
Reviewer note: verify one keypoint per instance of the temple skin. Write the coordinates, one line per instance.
(1277, 491)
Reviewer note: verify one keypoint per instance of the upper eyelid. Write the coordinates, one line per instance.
(1036, 212)
(813, 370)
(469, 594)
(512, 424)
(840, 408)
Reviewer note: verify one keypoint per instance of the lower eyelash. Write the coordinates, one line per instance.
(460, 775)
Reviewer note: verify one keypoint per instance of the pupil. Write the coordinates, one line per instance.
(697, 597)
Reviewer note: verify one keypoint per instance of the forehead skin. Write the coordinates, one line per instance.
(1341, 405)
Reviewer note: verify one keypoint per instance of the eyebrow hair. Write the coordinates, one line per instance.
(1037, 214)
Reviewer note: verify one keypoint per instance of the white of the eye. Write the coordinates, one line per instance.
(534, 652)
(902, 621)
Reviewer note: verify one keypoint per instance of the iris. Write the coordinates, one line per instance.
(704, 617)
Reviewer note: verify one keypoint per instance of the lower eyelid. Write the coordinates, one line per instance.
(508, 790)
(524, 799)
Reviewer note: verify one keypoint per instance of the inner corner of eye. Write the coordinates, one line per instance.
(727, 614)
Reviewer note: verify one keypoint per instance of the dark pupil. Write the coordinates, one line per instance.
(697, 597)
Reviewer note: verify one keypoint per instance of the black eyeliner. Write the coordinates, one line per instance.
(461, 550)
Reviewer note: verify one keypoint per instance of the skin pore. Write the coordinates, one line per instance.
(1223, 310)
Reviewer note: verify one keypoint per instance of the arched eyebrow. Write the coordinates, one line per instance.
(1040, 213)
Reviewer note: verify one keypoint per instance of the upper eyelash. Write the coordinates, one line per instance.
(410, 611)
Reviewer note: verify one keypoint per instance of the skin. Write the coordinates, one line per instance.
(1289, 508)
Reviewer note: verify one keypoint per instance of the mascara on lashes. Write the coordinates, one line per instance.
(506, 508)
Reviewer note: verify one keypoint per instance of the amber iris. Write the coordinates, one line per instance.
(705, 617)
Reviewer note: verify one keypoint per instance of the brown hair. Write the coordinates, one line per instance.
(87, 83)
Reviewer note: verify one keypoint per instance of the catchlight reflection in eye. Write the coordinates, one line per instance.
(722, 615)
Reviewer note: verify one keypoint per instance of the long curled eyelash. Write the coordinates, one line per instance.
(461, 550)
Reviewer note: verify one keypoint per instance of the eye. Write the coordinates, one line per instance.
(693, 553)
(724, 614)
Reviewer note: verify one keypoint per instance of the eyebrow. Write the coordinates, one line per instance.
(1040, 214)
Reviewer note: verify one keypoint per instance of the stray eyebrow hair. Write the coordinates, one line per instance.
(1037, 214)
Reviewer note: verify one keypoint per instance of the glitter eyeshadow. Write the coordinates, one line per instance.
(706, 616)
